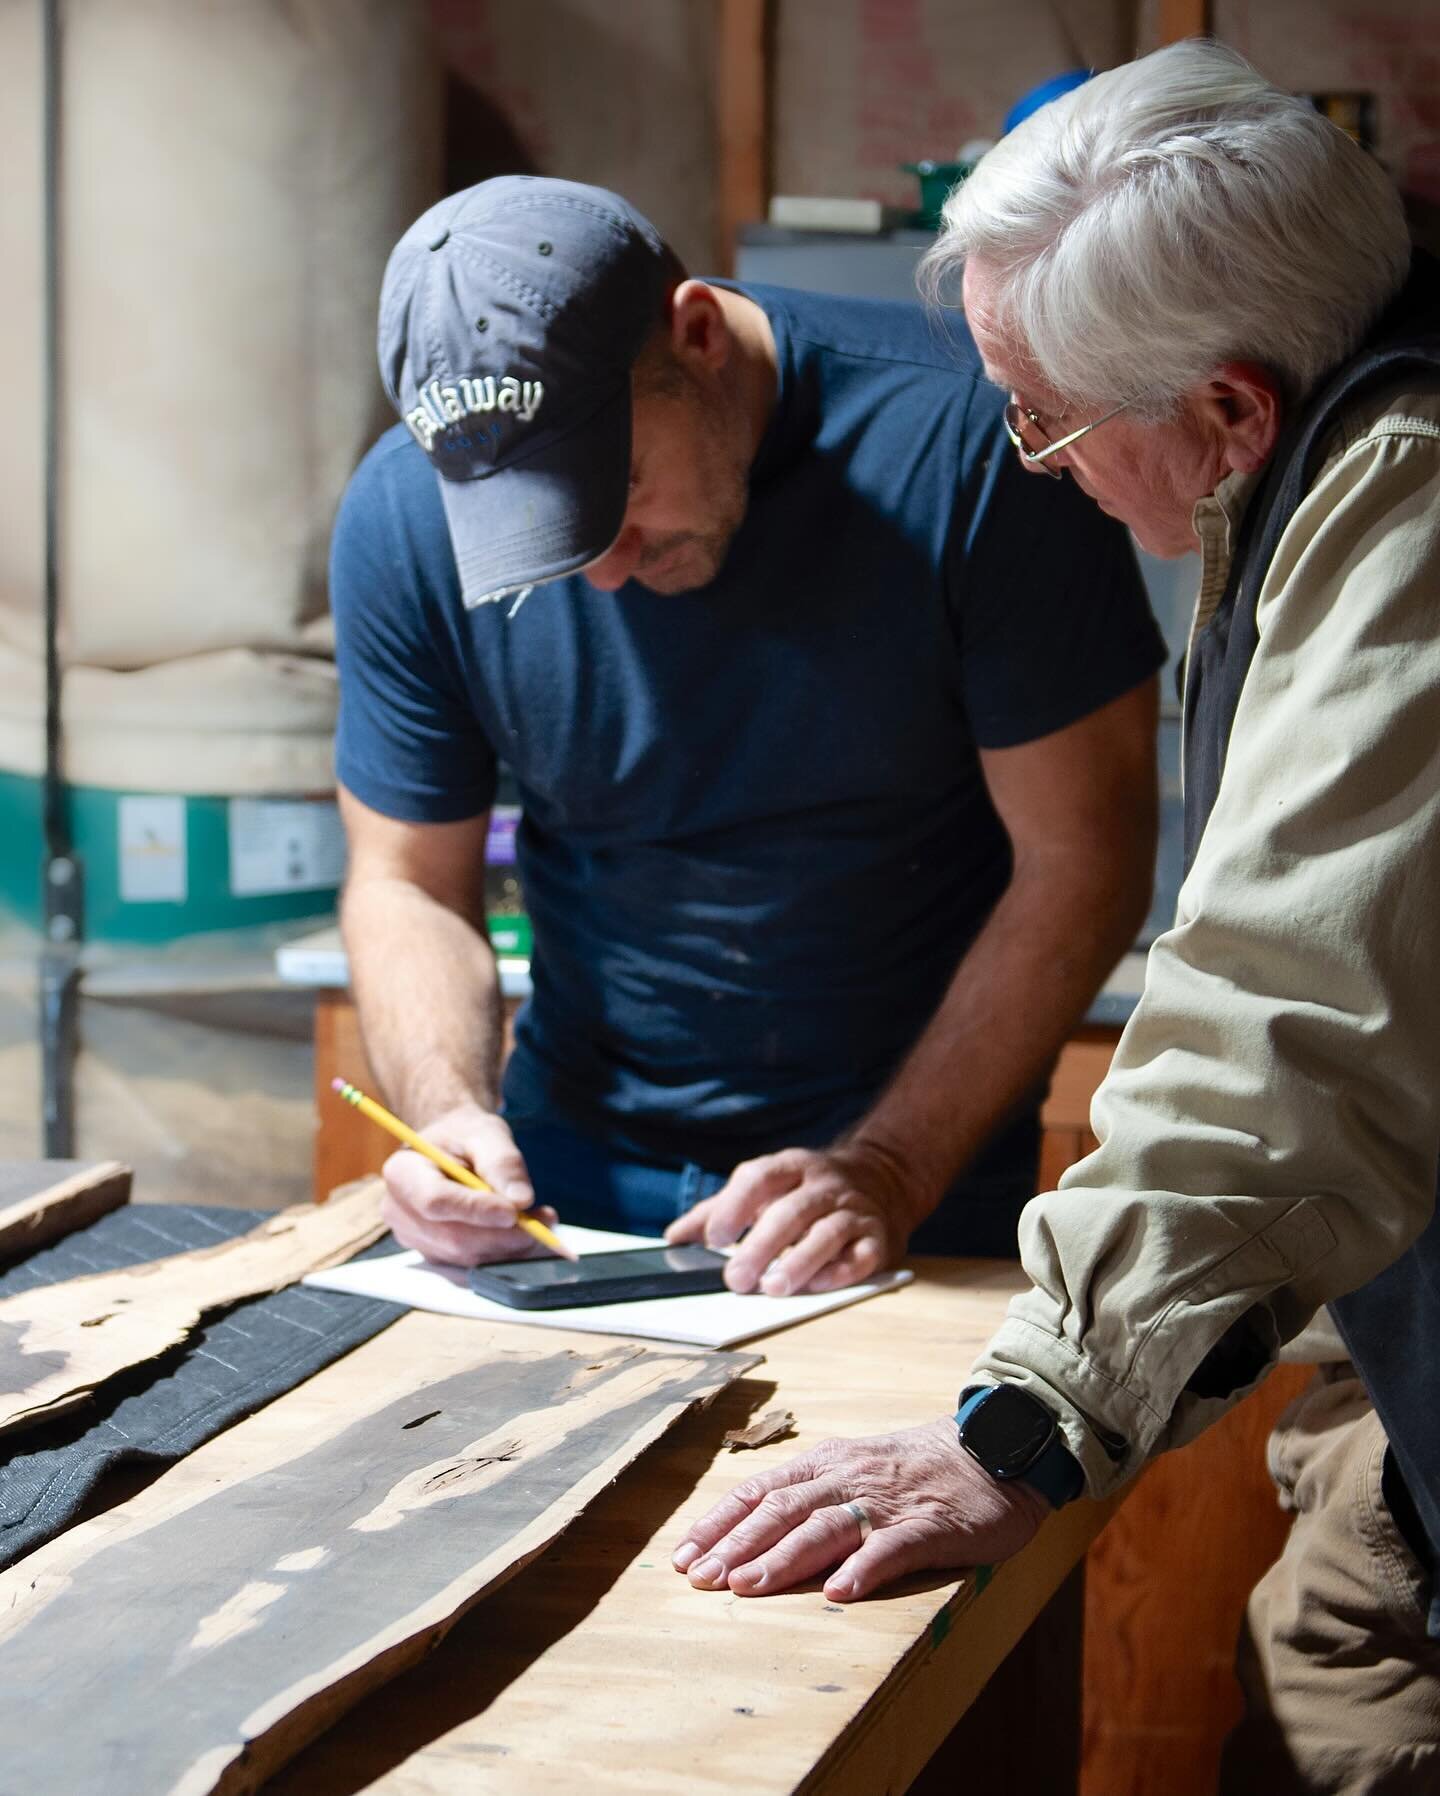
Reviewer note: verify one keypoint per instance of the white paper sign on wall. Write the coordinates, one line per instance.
(152, 849)
(284, 845)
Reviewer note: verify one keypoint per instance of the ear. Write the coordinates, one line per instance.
(1243, 404)
(699, 333)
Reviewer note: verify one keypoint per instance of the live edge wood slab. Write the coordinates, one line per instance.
(41, 1200)
(598, 1669)
(59, 1342)
(190, 1640)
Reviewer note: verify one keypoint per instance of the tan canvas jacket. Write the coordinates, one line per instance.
(1269, 1130)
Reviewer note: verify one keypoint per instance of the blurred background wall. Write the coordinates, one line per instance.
(233, 174)
(623, 92)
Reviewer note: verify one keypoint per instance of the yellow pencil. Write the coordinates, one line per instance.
(454, 1169)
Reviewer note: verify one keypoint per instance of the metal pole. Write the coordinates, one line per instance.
(63, 884)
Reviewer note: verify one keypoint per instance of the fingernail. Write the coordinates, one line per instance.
(719, 1237)
(775, 1284)
(841, 1587)
(519, 1194)
(684, 1555)
(749, 1577)
(708, 1571)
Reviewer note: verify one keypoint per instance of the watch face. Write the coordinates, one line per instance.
(1008, 1432)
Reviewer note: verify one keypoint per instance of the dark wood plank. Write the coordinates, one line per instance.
(41, 1200)
(57, 1343)
(195, 1638)
(598, 1666)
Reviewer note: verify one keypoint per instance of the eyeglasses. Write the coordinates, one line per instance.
(1019, 418)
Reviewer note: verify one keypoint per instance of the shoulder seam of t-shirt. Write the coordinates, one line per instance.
(800, 333)
(936, 366)
(386, 519)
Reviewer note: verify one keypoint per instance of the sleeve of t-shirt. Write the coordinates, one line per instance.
(408, 744)
(1047, 601)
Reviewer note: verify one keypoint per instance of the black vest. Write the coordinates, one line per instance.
(1392, 1325)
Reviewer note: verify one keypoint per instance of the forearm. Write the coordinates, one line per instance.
(1028, 977)
(428, 994)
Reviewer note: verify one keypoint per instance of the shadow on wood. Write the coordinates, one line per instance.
(459, 1680)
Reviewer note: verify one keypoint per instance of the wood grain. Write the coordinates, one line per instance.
(195, 1637)
(1065, 1115)
(58, 1342)
(41, 1200)
(742, 118)
(1166, 1588)
(664, 1689)
(347, 1145)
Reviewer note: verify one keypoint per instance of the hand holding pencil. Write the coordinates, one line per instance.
(426, 1213)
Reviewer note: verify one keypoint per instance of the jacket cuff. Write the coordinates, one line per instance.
(1108, 1429)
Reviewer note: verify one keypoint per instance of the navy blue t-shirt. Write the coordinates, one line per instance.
(756, 837)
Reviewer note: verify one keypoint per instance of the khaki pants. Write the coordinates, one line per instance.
(1341, 1682)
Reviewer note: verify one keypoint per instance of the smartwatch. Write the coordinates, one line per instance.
(1014, 1436)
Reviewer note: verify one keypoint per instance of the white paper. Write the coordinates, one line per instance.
(710, 1319)
(284, 845)
(152, 850)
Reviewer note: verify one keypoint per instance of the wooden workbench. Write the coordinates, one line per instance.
(598, 1654)
(599, 1667)
(1159, 1690)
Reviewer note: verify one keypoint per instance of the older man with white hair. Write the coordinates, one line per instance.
(1203, 302)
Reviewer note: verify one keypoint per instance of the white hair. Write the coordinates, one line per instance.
(1170, 215)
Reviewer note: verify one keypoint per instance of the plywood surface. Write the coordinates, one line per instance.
(599, 1656)
(193, 1637)
(41, 1200)
(57, 1343)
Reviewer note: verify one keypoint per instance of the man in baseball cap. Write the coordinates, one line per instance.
(834, 738)
(510, 318)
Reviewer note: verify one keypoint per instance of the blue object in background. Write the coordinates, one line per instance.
(1043, 94)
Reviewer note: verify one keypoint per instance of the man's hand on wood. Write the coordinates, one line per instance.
(930, 1506)
(811, 1219)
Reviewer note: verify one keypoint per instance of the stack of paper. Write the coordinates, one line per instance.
(711, 1319)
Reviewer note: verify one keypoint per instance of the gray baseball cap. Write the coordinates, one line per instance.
(510, 317)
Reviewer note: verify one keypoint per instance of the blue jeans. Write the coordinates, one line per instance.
(603, 1188)
(607, 1188)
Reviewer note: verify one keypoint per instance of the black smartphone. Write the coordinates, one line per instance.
(622, 1277)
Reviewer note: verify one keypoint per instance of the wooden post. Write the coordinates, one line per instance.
(742, 121)
(1182, 18)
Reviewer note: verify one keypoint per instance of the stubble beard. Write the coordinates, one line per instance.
(685, 560)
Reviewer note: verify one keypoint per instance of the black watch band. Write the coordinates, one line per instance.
(1014, 1436)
